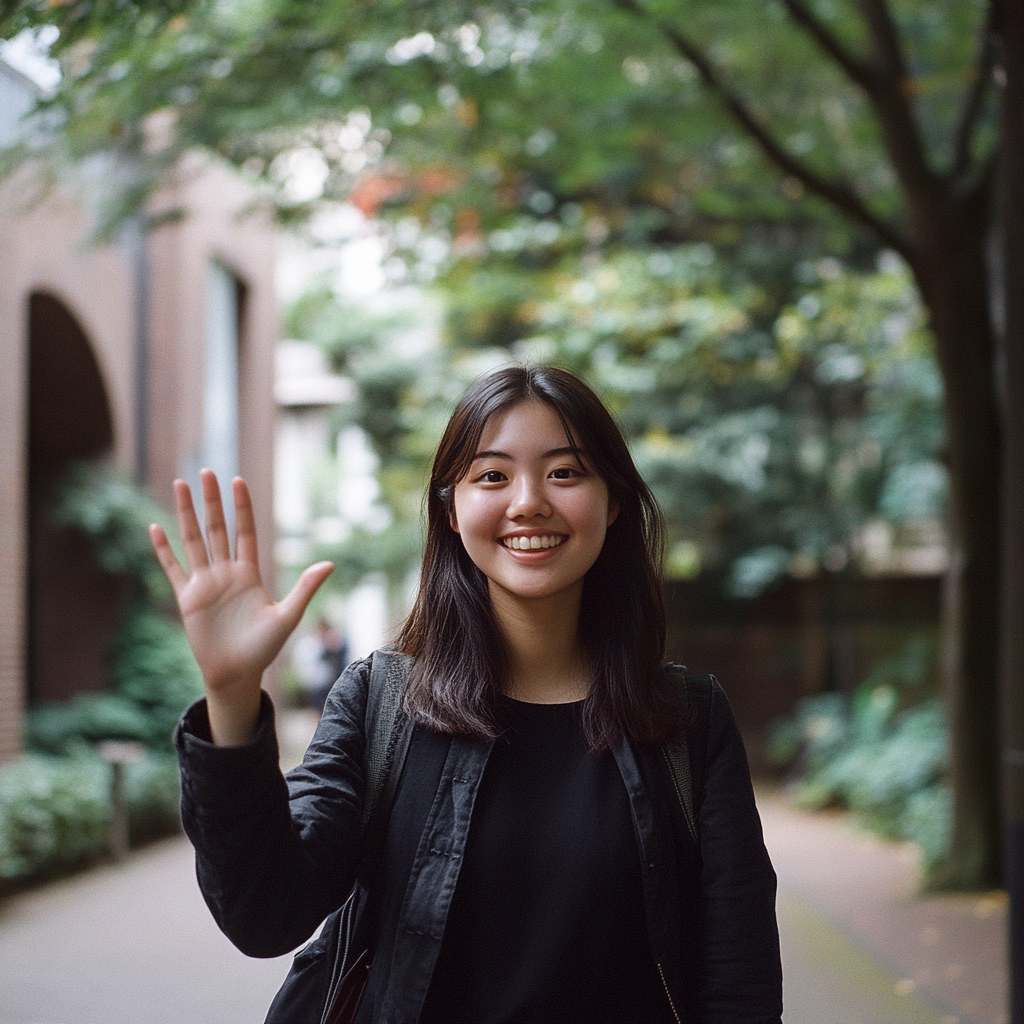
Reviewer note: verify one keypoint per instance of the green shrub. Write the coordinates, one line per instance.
(928, 821)
(152, 672)
(862, 753)
(153, 794)
(54, 815)
(153, 667)
(88, 718)
(55, 811)
(816, 731)
(55, 803)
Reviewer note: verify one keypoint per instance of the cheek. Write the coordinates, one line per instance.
(592, 514)
(471, 514)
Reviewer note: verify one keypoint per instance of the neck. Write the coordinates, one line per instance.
(547, 664)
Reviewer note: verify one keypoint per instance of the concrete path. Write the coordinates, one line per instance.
(861, 945)
(129, 944)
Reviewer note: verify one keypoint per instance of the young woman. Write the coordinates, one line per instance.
(535, 869)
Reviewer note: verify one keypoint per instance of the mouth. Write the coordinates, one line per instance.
(537, 543)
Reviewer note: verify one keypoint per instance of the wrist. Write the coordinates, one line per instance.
(234, 717)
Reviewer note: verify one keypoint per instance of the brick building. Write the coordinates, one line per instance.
(154, 353)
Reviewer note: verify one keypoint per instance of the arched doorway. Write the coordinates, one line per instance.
(72, 603)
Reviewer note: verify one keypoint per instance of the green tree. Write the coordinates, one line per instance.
(865, 123)
(778, 436)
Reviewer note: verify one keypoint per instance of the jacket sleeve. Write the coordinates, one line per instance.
(275, 854)
(742, 976)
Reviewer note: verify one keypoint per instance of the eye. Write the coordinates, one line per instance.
(565, 473)
(492, 476)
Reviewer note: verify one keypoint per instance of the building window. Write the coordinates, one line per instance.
(220, 379)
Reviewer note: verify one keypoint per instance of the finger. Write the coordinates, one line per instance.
(246, 549)
(166, 557)
(188, 524)
(306, 586)
(216, 528)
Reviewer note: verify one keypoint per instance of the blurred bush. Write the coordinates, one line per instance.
(153, 667)
(114, 512)
(153, 796)
(54, 814)
(55, 811)
(155, 678)
(868, 753)
(55, 802)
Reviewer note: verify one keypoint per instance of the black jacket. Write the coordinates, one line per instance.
(276, 855)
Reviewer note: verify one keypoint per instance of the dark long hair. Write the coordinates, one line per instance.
(461, 658)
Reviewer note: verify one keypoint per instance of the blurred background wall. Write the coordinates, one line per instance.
(805, 637)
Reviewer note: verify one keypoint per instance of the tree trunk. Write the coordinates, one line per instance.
(1010, 28)
(954, 283)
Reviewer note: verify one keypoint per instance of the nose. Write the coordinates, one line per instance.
(527, 499)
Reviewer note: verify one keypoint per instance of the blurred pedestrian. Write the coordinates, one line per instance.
(319, 657)
(536, 867)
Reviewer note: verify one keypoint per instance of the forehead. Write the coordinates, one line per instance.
(524, 426)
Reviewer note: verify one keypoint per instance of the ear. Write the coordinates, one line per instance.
(613, 511)
(452, 521)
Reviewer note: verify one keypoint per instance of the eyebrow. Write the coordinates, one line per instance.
(492, 453)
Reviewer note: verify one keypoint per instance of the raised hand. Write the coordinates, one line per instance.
(234, 627)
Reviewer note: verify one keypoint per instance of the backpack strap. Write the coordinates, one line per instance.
(684, 755)
(388, 732)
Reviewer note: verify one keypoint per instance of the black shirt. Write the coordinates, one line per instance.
(547, 922)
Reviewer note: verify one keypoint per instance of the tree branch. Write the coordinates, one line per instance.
(970, 113)
(884, 81)
(890, 98)
(839, 194)
(857, 70)
(885, 37)
(887, 86)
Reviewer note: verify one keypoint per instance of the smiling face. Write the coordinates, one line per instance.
(531, 517)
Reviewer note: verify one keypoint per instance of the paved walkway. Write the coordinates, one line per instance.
(862, 946)
(128, 944)
(134, 944)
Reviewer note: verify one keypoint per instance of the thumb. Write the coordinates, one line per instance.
(293, 606)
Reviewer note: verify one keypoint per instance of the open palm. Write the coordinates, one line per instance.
(234, 627)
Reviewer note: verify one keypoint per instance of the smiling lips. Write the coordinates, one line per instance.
(536, 543)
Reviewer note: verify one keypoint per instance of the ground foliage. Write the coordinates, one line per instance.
(55, 811)
(880, 752)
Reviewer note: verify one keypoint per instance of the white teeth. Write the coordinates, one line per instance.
(532, 543)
